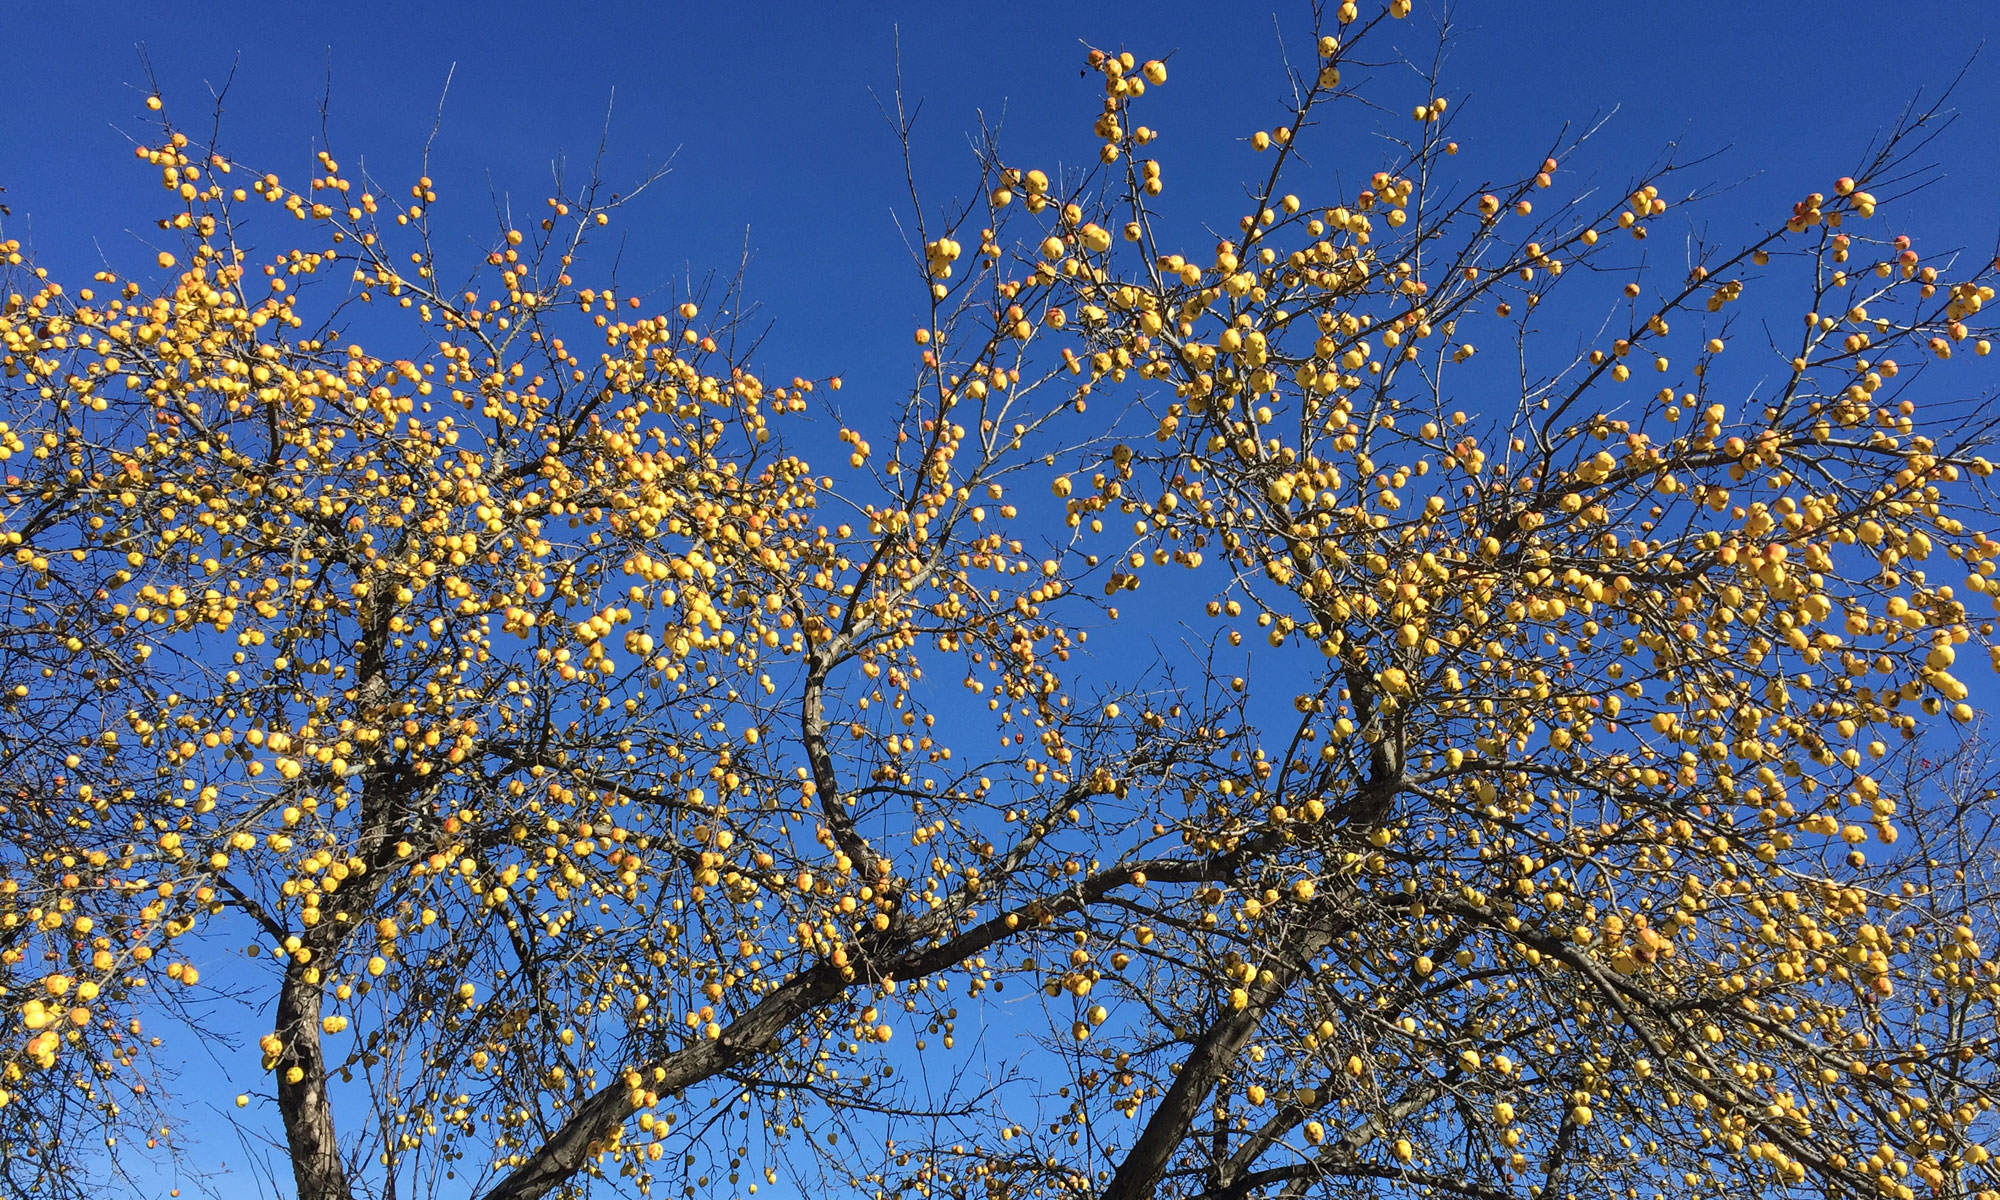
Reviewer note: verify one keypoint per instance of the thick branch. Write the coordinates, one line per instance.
(922, 948)
(1145, 1164)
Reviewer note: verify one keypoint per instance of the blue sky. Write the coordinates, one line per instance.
(769, 114)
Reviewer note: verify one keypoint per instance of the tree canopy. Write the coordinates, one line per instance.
(1387, 701)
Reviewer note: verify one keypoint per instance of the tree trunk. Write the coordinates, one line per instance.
(315, 1154)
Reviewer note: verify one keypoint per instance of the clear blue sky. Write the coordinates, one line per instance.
(769, 113)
